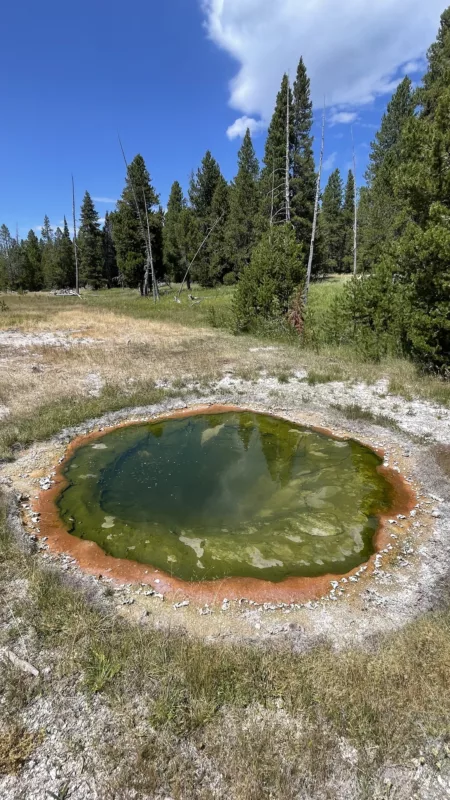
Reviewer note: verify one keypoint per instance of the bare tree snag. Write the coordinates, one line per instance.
(316, 211)
(287, 166)
(355, 221)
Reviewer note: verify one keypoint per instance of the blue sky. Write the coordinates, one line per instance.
(178, 77)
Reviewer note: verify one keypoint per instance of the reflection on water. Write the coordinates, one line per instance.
(235, 494)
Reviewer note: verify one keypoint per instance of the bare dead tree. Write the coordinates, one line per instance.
(198, 251)
(150, 259)
(355, 221)
(145, 235)
(287, 165)
(75, 244)
(316, 211)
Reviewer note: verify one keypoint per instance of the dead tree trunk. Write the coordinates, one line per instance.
(316, 211)
(150, 260)
(147, 242)
(355, 221)
(287, 166)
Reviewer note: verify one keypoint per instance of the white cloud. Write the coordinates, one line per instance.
(413, 67)
(239, 127)
(104, 200)
(342, 117)
(353, 50)
(101, 220)
(329, 162)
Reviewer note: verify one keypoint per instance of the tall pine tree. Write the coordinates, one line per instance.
(273, 175)
(129, 227)
(380, 210)
(174, 253)
(109, 252)
(244, 206)
(202, 190)
(331, 223)
(90, 245)
(348, 222)
(48, 251)
(303, 182)
(64, 261)
(32, 263)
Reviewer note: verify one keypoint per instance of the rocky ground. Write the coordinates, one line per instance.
(74, 729)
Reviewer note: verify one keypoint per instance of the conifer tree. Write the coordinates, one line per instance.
(202, 190)
(109, 252)
(273, 205)
(129, 227)
(384, 149)
(331, 223)
(303, 182)
(189, 238)
(244, 207)
(266, 285)
(348, 220)
(32, 263)
(174, 253)
(202, 187)
(216, 249)
(47, 249)
(380, 210)
(63, 259)
(90, 244)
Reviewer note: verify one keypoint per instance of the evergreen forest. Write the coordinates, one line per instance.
(256, 231)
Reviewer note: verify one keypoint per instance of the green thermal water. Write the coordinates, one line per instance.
(235, 494)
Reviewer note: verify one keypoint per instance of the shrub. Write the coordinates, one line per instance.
(229, 279)
(268, 282)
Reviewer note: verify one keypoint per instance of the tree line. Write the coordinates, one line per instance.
(242, 211)
(256, 230)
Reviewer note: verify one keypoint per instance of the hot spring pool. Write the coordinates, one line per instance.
(235, 494)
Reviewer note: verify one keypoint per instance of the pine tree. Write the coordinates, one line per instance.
(11, 261)
(438, 66)
(384, 149)
(216, 248)
(331, 223)
(348, 221)
(244, 206)
(202, 189)
(188, 237)
(404, 303)
(109, 252)
(47, 249)
(64, 261)
(266, 285)
(303, 182)
(90, 244)
(129, 227)
(273, 175)
(174, 255)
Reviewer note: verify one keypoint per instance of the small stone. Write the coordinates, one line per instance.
(183, 604)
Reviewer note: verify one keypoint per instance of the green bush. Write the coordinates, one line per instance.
(268, 282)
(229, 279)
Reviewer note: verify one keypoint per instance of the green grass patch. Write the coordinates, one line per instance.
(16, 433)
(356, 412)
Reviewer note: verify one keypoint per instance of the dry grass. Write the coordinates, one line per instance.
(254, 724)
(262, 723)
(16, 747)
